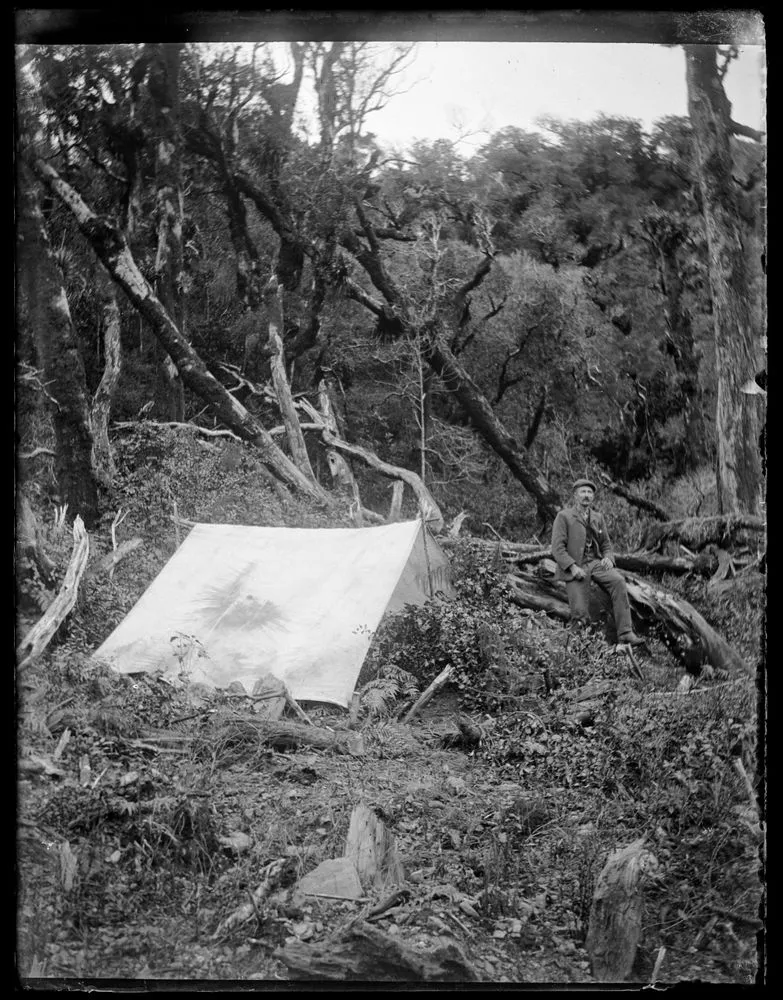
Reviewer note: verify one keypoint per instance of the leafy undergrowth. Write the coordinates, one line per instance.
(131, 800)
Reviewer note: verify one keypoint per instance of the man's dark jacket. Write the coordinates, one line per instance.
(569, 538)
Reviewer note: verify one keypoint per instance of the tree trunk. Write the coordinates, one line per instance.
(458, 382)
(170, 278)
(294, 435)
(112, 249)
(667, 234)
(102, 458)
(44, 309)
(738, 354)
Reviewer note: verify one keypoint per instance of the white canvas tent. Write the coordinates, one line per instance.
(234, 602)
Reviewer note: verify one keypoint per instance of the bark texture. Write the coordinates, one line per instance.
(44, 310)
(170, 278)
(366, 953)
(615, 928)
(738, 355)
(294, 435)
(102, 459)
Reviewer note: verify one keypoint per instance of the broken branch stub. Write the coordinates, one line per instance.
(40, 635)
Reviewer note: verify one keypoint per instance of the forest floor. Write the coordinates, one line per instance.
(131, 797)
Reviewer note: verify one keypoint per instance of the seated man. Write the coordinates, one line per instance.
(582, 550)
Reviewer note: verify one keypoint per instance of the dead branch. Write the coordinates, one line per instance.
(109, 561)
(272, 873)
(27, 455)
(633, 498)
(428, 693)
(206, 431)
(40, 635)
(427, 504)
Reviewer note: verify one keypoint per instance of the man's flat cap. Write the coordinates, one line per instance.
(584, 482)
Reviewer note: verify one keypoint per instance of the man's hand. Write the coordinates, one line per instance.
(577, 573)
(606, 563)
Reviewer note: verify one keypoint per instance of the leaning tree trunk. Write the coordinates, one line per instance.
(459, 383)
(170, 278)
(738, 354)
(294, 435)
(44, 308)
(112, 249)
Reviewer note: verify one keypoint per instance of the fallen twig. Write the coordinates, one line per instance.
(272, 873)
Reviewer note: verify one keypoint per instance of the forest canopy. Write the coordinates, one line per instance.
(586, 296)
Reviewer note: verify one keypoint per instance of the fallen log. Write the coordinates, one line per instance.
(527, 593)
(696, 532)
(40, 635)
(679, 618)
(522, 554)
(250, 731)
(366, 953)
(683, 619)
(615, 925)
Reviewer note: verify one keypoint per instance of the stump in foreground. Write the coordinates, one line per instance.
(616, 913)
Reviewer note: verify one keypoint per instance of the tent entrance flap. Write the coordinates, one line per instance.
(300, 603)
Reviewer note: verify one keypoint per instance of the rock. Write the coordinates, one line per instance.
(270, 692)
(236, 841)
(336, 878)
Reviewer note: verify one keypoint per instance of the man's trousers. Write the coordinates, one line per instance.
(609, 580)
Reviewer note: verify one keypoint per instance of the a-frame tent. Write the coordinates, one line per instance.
(234, 602)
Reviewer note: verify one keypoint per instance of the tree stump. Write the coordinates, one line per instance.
(372, 848)
(616, 913)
